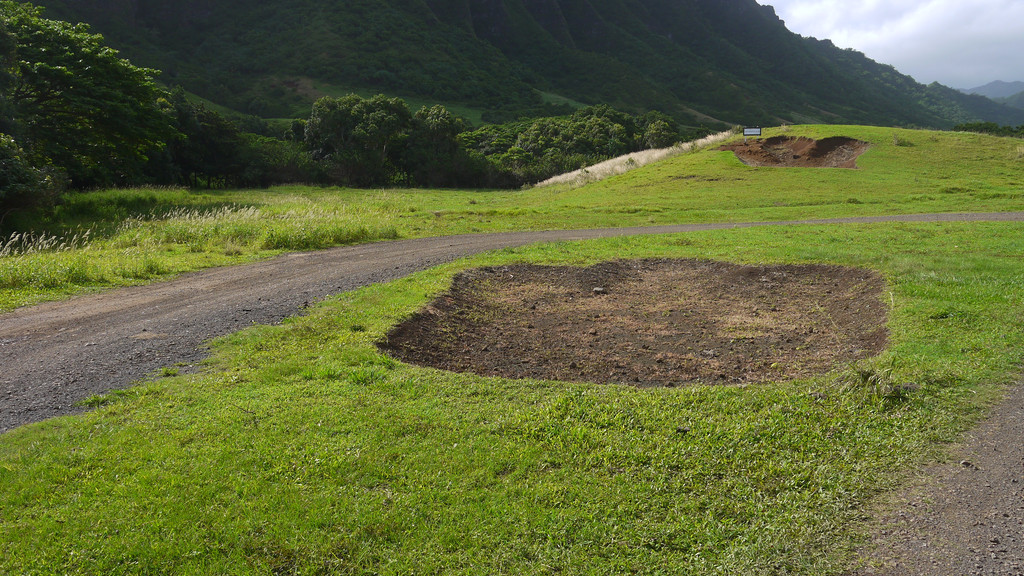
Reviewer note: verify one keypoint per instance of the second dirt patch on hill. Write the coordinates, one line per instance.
(802, 152)
(659, 322)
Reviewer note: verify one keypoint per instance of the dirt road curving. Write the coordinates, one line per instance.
(57, 354)
(965, 516)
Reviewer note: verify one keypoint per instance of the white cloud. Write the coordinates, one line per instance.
(961, 44)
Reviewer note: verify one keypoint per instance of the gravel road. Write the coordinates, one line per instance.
(961, 517)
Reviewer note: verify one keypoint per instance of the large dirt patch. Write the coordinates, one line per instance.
(802, 152)
(649, 322)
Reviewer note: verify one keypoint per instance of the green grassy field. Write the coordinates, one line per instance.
(144, 235)
(302, 450)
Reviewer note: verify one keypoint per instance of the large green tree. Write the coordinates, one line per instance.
(531, 150)
(20, 183)
(7, 52)
(432, 153)
(207, 147)
(211, 150)
(360, 139)
(78, 105)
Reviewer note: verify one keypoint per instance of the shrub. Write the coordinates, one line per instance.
(21, 184)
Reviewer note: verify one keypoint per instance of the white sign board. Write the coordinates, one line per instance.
(751, 132)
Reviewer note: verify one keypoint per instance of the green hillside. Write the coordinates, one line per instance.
(178, 230)
(702, 61)
(1016, 101)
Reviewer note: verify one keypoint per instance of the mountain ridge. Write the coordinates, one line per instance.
(701, 61)
(998, 89)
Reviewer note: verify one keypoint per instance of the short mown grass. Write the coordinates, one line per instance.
(303, 450)
(142, 235)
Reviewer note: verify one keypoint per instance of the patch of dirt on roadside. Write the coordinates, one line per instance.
(802, 152)
(657, 322)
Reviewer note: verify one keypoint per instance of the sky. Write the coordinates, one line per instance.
(959, 43)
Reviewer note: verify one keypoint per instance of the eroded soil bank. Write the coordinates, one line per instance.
(649, 322)
(802, 152)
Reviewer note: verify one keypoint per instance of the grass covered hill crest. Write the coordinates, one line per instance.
(701, 61)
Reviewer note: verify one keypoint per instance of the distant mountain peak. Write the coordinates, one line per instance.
(998, 89)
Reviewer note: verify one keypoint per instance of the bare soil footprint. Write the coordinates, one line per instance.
(658, 322)
(802, 152)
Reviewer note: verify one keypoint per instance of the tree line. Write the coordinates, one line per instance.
(991, 128)
(75, 115)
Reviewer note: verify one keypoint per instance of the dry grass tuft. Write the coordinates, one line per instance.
(20, 243)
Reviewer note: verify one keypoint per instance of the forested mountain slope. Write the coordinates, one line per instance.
(702, 61)
(1016, 101)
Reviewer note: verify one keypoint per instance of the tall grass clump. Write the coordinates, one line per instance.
(201, 228)
(316, 237)
(633, 160)
(168, 239)
(19, 243)
(316, 227)
(43, 261)
(49, 271)
(250, 228)
(126, 203)
(309, 228)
